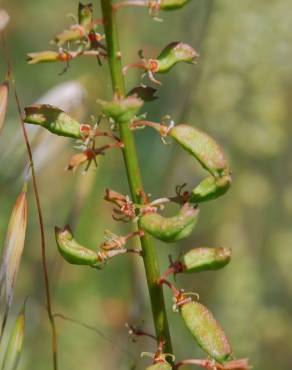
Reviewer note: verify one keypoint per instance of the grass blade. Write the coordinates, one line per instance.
(4, 89)
(11, 256)
(14, 347)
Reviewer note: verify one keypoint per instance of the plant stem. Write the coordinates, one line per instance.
(134, 178)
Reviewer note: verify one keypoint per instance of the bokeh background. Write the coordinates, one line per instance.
(240, 92)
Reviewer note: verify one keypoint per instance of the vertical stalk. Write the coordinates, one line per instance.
(134, 178)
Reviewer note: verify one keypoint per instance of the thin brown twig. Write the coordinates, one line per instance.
(38, 205)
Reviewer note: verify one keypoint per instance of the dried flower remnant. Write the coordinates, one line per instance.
(12, 253)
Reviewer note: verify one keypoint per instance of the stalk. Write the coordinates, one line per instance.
(134, 178)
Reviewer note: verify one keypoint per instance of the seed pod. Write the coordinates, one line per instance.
(210, 188)
(174, 53)
(121, 110)
(53, 119)
(85, 15)
(72, 251)
(207, 332)
(12, 253)
(160, 366)
(43, 57)
(74, 33)
(171, 229)
(172, 4)
(203, 259)
(201, 146)
(14, 348)
(4, 89)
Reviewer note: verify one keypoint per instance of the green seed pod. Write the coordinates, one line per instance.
(201, 146)
(85, 15)
(207, 332)
(172, 4)
(210, 188)
(172, 54)
(161, 366)
(73, 252)
(53, 119)
(13, 351)
(121, 110)
(43, 57)
(75, 33)
(203, 259)
(171, 229)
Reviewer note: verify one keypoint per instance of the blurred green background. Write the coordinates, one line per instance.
(240, 92)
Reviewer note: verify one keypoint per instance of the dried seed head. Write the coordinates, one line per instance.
(13, 350)
(4, 19)
(4, 89)
(53, 119)
(12, 252)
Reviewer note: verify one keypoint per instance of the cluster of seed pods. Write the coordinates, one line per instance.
(206, 331)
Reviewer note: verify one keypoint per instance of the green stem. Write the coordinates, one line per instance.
(134, 178)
